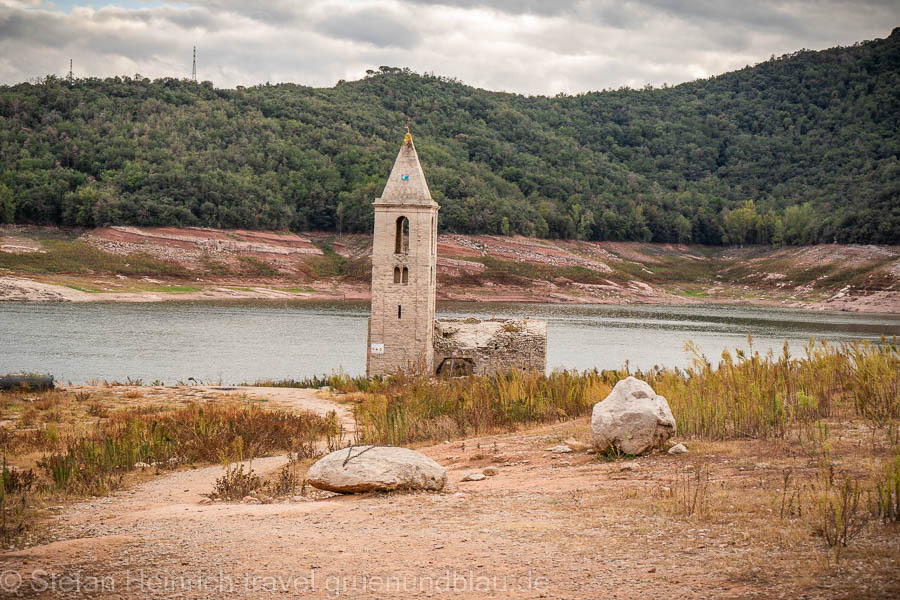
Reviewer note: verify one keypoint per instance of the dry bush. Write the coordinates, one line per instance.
(15, 485)
(285, 483)
(792, 492)
(46, 402)
(688, 494)
(236, 484)
(29, 418)
(53, 416)
(840, 516)
(885, 498)
(97, 409)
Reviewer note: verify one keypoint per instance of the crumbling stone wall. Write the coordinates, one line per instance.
(481, 347)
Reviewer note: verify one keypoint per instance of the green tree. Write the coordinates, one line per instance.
(740, 223)
(798, 224)
(7, 205)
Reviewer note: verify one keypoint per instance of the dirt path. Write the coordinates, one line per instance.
(547, 526)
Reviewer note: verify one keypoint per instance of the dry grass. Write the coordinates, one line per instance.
(406, 409)
(71, 444)
(77, 257)
(748, 395)
(763, 396)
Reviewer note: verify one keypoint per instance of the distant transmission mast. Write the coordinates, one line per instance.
(71, 76)
(194, 71)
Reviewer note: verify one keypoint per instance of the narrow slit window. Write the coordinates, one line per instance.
(399, 311)
(401, 241)
(405, 276)
(396, 274)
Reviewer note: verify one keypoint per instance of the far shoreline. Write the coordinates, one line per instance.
(158, 264)
(24, 290)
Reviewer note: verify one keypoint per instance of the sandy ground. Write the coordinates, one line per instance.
(546, 526)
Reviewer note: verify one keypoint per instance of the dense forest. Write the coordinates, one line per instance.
(796, 150)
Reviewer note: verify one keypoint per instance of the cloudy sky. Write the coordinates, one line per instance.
(526, 46)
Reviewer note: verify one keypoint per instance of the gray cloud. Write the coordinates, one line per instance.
(515, 7)
(527, 47)
(377, 27)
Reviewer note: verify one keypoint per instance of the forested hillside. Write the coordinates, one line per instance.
(798, 149)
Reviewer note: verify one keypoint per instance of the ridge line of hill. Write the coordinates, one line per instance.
(797, 150)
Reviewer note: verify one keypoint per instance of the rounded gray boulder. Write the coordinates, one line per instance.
(360, 469)
(633, 418)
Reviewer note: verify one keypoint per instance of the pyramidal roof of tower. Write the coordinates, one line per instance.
(407, 184)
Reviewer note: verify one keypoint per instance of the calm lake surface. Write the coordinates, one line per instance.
(236, 342)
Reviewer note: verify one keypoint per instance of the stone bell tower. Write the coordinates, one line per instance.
(404, 256)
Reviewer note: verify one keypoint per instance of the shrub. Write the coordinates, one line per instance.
(96, 463)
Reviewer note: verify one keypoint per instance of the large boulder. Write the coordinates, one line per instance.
(360, 469)
(632, 418)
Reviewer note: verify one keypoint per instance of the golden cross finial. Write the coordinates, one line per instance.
(407, 139)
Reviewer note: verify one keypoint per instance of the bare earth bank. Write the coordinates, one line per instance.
(50, 264)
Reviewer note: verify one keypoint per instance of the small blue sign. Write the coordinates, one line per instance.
(404, 177)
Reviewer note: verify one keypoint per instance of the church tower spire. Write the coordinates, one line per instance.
(404, 259)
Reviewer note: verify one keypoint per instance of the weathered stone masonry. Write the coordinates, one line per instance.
(404, 257)
(402, 328)
(482, 347)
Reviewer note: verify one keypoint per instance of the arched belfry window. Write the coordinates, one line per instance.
(405, 276)
(401, 242)
(396, 274)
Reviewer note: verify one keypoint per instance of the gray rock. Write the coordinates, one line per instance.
(561, 449)
(632, 418)
(474, 477)
(678, 449)
(360, 469)
(574, 444)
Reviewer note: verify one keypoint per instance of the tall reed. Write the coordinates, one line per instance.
(414, 408)
(763, 396)
(747, 394)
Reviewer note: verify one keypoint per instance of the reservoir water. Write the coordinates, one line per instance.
(233, 342)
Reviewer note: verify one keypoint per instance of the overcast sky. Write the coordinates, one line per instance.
(526, 46)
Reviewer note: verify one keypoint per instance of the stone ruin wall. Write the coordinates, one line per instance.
(484, 346)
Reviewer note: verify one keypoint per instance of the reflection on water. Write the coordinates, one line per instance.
(234, 342)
